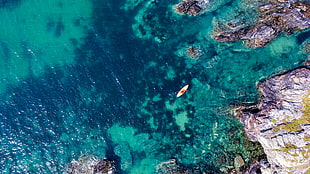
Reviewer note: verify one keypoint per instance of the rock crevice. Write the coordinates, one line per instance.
(274, 17)
(280, 120)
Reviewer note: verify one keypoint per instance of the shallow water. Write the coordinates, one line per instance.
(99, 77)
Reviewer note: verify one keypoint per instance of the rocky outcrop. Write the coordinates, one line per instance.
(171, 166)
(191, 7)
(275, 17)
(281, 121)
(194, 52)
(89, 164)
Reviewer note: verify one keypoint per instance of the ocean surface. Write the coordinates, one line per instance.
(99, 77)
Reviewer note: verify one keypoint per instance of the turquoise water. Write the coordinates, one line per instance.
(99, 77)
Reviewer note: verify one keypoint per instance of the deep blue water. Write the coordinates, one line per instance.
(52, 116)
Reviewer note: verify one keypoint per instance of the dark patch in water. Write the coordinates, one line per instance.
(50, 25)
(302, 37)
(77, 22)
(10, 4)
(59, 28)
(110, 154)
(26, 50)
(4, 50)
(74, 42)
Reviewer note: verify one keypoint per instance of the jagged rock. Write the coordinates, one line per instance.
(194, 52)
(171, 167)
(274, 18)
(307, 62)
(281, 120)
(89, 164)
(260, 35)
(105, 166)
(191, 7)
(264, 167)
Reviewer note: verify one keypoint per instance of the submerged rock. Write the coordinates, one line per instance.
(306, 48)
(238, 162)
(89, 164)
(194, 52)
(274, 18)
(171, 167)
(281, 120)
(123, 151)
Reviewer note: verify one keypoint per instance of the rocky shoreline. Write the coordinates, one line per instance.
(90, 164)
(274, 18)
(280, 121)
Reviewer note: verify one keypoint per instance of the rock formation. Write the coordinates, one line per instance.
(194, 52)
(191, 7)
(281, 121)
(89, 164)
(274, 17)
(238, 162)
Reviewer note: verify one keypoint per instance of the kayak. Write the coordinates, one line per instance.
(182, 91)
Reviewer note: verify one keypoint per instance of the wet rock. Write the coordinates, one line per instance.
(281, 120)
(306, 48)
(194, 52)
(191, 7)
(238, 162)
(260, 35)
(105, 166)
(266, 7)
(171, 167)
(254, 168)
(264, 167)
(231, 35)
(89, 164)
(307, 61)
(234, 24)
(274, 18)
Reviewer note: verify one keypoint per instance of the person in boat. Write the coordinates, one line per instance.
(182, 91)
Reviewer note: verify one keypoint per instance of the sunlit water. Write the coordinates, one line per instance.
(99, 77)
